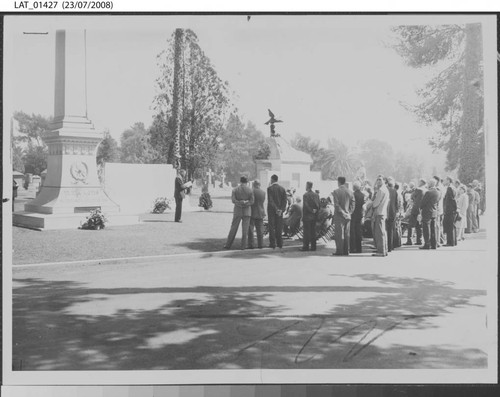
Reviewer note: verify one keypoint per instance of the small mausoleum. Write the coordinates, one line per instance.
(292, 166)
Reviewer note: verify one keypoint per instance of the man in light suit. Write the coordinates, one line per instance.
(257, 216)
(276, 206)
(379, 205)
(243, 199)
(344, 203)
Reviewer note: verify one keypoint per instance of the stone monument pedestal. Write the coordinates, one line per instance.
(71, 188)
(72, 184)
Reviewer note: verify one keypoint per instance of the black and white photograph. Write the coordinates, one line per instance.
(244, 199)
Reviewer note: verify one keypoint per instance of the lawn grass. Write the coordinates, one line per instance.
(204, 231)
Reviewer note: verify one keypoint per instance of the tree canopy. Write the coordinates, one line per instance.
(28, 147)
(134, 145)
(108, 150)
(453, 99)
(192, 104)
(240, 145)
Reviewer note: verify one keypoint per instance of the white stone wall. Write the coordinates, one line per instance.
(134, 187)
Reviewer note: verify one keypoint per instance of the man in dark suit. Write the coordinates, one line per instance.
(343, 201)
(310, 208)
(257, 216)
(392, 211)
(429, 208)
(242, 198)
(449, 212)
(415, 222)
(356, 218)
(276, 206)
(179, 192)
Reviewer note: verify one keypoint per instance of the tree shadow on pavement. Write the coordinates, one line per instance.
(211, 245)
(64, 325)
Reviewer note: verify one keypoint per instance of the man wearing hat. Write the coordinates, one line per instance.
(242, 198)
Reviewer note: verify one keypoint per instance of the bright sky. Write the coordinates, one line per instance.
(323, 75)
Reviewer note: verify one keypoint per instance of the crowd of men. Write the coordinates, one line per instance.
(437, 212)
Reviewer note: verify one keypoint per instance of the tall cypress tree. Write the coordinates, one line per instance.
(453, 99)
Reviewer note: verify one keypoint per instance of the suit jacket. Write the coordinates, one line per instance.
(258, 211)
(440, 190)
(344, 203)
(178, 187)
(393, 207)
(242, 198)
(276, 199)
(381, 201)
(417, 197)
(310, 202)
(359, 201)
(462, 204)
(449, 202)
(430, 203)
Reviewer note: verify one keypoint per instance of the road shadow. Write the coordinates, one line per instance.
(64, 325)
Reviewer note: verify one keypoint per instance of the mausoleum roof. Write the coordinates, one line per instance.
(281, 149)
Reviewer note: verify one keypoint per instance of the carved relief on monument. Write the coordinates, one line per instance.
(79, 171)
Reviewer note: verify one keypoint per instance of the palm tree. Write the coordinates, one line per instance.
(339, 160)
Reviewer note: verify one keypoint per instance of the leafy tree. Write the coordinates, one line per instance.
(453, 99)
(35, 159)
(31, 127)
(107, 151)
(377, 157)
(263, 152)
(408, 167)
(135, 145)
(192, 105)
(313, 148)
(338, 160)
(29, 141)
(239, 147)
(17, 158)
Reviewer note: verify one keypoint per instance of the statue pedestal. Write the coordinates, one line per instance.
(72, 184)
(71, 188)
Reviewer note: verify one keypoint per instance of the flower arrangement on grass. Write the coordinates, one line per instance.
(95, 221)
(160, 205)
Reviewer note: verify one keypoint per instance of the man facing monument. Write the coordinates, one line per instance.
(276, 205)
(242, 198)
(258, 214)
(343, 201)
(310, 210)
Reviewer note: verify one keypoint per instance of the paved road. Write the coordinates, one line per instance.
(257, 309)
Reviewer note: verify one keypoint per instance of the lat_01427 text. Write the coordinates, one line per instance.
(62, 5)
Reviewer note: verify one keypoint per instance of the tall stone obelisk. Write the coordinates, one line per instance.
(72, 184)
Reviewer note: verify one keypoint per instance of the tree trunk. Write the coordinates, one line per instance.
(471, 144)
(176, 105)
